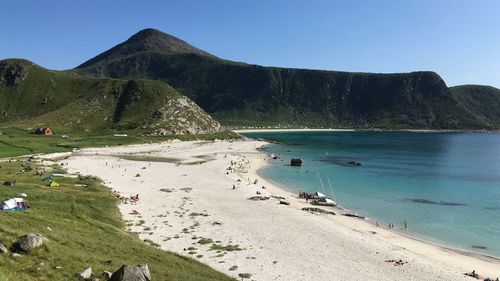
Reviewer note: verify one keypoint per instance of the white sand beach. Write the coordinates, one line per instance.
(186, 193)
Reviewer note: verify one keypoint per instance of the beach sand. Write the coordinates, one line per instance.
(186, 194)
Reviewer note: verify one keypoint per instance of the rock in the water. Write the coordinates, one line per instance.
(28, 242)
(3, 249)
(138, 272)
(296, 162)
(86, 274)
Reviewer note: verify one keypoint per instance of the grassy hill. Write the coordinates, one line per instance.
(31, 96)
(83, 226)
(483, 101)
(242, 94)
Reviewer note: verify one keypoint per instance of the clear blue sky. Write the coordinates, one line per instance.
(459, 39)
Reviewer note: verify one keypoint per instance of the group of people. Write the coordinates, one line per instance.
(397, 262)
(391, 225)
(473, 274)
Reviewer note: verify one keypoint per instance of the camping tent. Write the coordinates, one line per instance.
(47, 179)
(54, 184)
(43, 131)
(14, 204)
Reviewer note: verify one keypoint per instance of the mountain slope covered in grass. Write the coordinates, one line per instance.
(242, 94)
(32, 96)
(482, 101)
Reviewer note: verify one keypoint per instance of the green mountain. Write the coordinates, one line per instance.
(147, 40)
(33, 96)
(483, 101)
(127, 87)
(242, 94)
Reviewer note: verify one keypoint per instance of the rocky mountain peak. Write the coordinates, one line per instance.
(146, 40)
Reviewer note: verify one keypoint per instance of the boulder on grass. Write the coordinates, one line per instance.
(28, 242)
(138, 272)
(3, 249)
(85, 274)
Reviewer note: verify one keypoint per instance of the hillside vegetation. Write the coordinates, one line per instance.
(482, 101)
(242, 94)
(31, 96)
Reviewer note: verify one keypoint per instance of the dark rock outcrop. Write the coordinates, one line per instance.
(13, 73)
(138, 272)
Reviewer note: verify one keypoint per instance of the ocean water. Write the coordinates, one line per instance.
(445, 185)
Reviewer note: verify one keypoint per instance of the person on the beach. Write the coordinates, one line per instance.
(406, 225)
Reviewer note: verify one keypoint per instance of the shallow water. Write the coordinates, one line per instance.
(445, 185)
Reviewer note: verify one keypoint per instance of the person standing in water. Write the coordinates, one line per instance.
(406, 225)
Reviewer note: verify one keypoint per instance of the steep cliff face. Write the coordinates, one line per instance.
(242, 94)
(320, 98)
(237, 93)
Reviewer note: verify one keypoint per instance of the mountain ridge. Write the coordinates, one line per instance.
(242, 94)
(147, 40)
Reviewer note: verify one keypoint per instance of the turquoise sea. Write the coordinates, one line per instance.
(445, 185)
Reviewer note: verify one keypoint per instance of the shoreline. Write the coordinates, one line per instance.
(431, 131)
(249, 223)
(372, 221)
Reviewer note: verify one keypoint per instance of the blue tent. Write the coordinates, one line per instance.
(47, 179)
(14, 204)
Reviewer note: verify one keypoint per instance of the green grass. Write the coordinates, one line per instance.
(16, 142)
(204, 241)
(32, 96)
(228, 248)
(85, 230)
